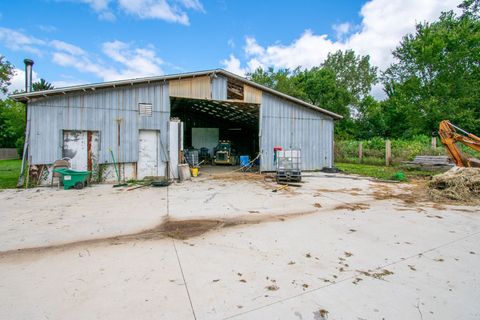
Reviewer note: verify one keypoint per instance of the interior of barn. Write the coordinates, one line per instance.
(207, 122)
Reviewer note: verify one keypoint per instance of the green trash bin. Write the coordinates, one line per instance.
(73, 179)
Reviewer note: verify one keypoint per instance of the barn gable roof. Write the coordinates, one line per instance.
(25, 97)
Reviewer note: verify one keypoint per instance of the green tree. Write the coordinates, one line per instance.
(12, 124)
(436, 75)
(352, 72)
(470, 7)
(41, 85)
(370, 120)
(283, 80)
(320, 87)
(6, 74)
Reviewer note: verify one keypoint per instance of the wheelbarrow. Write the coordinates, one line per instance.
(73, 179)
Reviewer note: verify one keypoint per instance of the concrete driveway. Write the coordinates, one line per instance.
(227, 247)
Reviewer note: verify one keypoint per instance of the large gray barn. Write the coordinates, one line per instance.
(133, 118)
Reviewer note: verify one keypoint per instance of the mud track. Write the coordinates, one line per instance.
(168, 228)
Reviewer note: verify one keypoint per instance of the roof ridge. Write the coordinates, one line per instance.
(25, 96)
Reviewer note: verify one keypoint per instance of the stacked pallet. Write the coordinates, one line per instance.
(431, 161)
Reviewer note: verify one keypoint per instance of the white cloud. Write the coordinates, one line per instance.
(130, 62)
(252, 47)
(67, 47)
(342, 29)
(192, 4)
(107, 16)
(155, 9)
(123, 60)
(174, 11)
(232, 64)
(136, 62)
(101, 7)
(384, 23)
(307, 51)
(81, 63)
(18, 80)
(97, 5)
(16, 40)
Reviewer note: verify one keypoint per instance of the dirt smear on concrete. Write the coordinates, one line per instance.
(350, 191)
(237, 175)
(416, 193)
(352, 206)
(168, 228)
(342, 190)
(410, 195)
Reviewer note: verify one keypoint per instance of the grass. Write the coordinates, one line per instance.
(383, 172)
(9, 170)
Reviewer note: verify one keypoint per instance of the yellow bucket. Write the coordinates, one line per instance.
(194, 172)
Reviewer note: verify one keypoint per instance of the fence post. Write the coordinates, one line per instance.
(388, 152)
(434, 142)
(360, 151)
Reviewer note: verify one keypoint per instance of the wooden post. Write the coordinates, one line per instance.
(388, 152)
(28, 172)
(360, 151)
(434, 142)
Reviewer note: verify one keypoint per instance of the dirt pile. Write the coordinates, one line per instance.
(458, 184)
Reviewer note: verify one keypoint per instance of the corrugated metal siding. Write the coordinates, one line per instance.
(292, 126)
(102, 111)
(219, 88)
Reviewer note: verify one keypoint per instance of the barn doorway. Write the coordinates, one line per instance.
(207, 122)
(149, 164)
(82, 148)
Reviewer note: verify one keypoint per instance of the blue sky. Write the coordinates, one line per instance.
(86, 41)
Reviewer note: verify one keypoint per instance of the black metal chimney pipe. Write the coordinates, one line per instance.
(28, 74)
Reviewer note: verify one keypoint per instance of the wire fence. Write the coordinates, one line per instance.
(380, 151)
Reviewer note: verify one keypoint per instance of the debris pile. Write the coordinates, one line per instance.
(458, 184)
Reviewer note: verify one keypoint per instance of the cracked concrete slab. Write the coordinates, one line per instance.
(388, 258)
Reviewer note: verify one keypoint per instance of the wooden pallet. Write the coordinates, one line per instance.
(430, 161)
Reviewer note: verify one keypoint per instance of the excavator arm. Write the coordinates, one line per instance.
(449, 136)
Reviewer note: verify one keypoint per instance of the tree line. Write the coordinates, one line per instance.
(435, 75)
